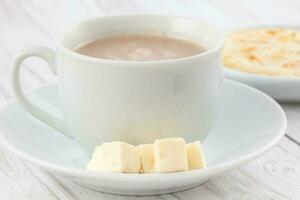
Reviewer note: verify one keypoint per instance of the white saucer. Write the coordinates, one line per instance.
(248, 123)
(284, 89)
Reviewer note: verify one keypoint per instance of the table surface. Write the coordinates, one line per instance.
(275, 175)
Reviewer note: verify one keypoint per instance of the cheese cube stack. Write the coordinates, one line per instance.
(165, 155)
(115, 157)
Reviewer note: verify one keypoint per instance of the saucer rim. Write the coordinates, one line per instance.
(121, 177)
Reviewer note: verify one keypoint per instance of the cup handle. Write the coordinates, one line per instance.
(49, 56)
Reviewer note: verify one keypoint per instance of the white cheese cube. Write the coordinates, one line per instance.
(195, 156)
(170, 155)
(115, 157)
(146, 153)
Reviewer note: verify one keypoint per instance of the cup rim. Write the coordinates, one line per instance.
(60, 46)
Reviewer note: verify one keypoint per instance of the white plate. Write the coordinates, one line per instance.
(248, 123)
(280, 88)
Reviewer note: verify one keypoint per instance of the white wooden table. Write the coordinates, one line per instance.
(275, 175)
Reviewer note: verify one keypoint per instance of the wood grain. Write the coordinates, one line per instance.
(292, 112)
(17, 181)
(275, 175)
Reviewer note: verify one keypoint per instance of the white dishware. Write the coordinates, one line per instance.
(285, 89)
(132, 101)
(248, 123)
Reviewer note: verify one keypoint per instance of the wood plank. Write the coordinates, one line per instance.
(50, 182)
(279, 169)
(292, 112)
(18, 183)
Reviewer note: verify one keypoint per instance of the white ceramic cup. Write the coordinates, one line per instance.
(132, 101)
